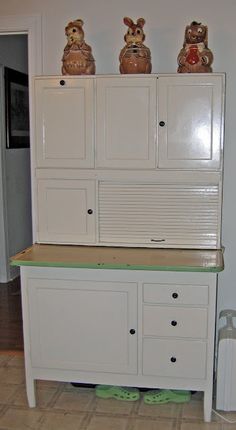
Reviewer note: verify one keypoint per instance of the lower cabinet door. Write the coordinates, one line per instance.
(66, 211)
(83, 325)
(174, 358)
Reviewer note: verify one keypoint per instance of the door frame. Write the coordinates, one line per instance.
(31, 25)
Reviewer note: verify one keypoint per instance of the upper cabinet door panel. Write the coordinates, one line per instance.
(64, 122)
(126, 122)
(190, 121)
(66, 211)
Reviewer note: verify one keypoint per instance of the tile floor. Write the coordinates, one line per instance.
(60, 406)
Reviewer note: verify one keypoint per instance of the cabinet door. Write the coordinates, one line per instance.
(190, 121)
(66, 211)
(83, 325)
(64, 116)
(126, 122)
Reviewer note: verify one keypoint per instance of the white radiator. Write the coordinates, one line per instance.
(226, 365)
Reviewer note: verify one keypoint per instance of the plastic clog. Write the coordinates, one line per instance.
(120, 393)
(155, 397)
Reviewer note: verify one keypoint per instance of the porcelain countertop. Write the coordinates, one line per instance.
(93, 257)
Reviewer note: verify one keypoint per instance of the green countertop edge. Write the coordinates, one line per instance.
(118, 267)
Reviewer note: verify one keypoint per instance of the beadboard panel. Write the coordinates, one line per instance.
(162, 214)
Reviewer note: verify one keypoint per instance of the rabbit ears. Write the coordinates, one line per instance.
(129, 22)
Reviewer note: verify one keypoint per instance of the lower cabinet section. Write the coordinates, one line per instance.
(120, 327)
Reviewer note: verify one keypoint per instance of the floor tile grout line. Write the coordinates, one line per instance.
(133, 415)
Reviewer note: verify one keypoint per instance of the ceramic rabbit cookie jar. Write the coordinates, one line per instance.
(195, 56)
(77, 58)
(135, 57)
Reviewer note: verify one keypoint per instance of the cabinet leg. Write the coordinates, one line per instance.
(207, 405)
(30, 390)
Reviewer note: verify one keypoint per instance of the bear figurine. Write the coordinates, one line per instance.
(77, 58)
(195, 56)
(135, 57)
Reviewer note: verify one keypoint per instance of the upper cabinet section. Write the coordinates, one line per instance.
(126, 122)
(130, 122)
(64, 112)
(129, 160)
(190, 121)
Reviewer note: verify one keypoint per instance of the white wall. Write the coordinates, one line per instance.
(15, 210)
(165, 24)
(13, 52)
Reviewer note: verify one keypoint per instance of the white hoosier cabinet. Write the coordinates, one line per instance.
(128, 170)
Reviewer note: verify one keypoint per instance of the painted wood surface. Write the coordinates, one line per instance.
(120, 258)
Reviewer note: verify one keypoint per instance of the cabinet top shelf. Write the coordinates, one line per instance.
(120, 258)
(127, 76)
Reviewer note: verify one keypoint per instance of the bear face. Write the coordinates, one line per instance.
(74, 32)
(196, 33)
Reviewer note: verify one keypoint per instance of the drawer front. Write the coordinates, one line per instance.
(174, 358)
(175, 294)
(174, 321)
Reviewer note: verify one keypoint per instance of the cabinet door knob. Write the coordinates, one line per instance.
(90, 211)
(162, 123)
(173, 359)
(175, 295)
(132, 331)
(62, 82)
(174, 323)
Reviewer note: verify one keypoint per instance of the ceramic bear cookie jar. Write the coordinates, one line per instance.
(77, 58)
(135, 57)
(195, 56)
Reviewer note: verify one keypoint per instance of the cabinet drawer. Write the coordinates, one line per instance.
(174, 321)
(175, 294)
(174, 358)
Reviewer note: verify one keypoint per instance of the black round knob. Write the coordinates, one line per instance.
(62, 82)
(132, 331)
(90, 211)
(174, 323)
(175, 295)
(162, 123)
(173, 359)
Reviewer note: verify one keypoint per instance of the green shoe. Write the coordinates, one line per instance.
(155, 397)
(120, 393)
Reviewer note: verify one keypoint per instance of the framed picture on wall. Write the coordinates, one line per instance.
(17, 109)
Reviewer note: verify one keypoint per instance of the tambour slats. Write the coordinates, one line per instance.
(169, 214)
